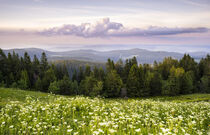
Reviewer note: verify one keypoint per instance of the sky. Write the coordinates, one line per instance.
(51, 24)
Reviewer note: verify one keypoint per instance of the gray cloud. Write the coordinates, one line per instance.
(156, 31)
(105, 28)
(99, 29)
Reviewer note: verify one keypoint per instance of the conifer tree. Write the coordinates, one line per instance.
(35, 69)
(24, 82)
(49, 77)
(74, 77)
(3, 66)
(87, 70)
(186, 83)
(133, 82)
(110, 65)
(119, 67)
(43, 64)
(81, 75)
(65, 86)
(112, 84)
(156, 84)
(38, 84)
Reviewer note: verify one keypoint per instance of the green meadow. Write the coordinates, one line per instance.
(28, 112)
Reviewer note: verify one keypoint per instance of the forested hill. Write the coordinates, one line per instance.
(75, 65)
(143, 56)
(129, 78)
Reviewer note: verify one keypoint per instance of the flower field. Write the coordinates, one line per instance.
(83, 115)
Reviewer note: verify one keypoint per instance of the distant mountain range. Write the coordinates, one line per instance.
(142, 55)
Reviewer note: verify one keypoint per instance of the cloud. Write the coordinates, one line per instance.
(156, 31)
(106, 28)
(99, 29)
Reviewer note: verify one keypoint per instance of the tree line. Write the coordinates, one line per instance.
(121, 79)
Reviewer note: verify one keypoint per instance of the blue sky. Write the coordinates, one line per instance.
(70, 23)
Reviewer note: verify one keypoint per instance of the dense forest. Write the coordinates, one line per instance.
(120, 79)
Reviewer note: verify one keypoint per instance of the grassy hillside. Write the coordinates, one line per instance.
(28, 112)
(9, 94)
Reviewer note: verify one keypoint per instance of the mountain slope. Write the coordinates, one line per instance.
(142, 55)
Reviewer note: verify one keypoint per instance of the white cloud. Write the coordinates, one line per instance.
(106, 28)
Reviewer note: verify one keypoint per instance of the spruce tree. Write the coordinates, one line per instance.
(74, 76)
(186, 83)
(43, 64)
(112, 84)
(3, 66)
(24, 82)
(110, 65)
(38, 84)
(49, 77)
(87, 70)
(156, 84)
(81, 75)
(133, 82)
(65, 86)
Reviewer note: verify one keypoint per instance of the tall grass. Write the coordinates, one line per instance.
(83, 115)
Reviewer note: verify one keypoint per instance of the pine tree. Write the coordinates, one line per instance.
(74, 77)
(165, 66)
(96, 72)
(9, 77)
(101, 74)
(49, 77)
(24, 82)
(119, 67)
(87, 70)
(156, 84)
(3, 66)
(188, 63)
(27, 62)
(75, 87)
(43, 64)
(65, 70)
(110, 65)
(36, 65)
(134, 61)
(126, 71)
(204, 66)
(81, 75)
(65, 86)
(146, 89)
(133, 82)
(205, 84)
(186, 83)
(173, 85)
(16, 66)
(112, 84)
(142, 82)
(28, 67)
(35, 70)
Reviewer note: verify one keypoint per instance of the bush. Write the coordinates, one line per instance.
(91, 86)
(97, 88)
(14, 85)
(54, 88)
